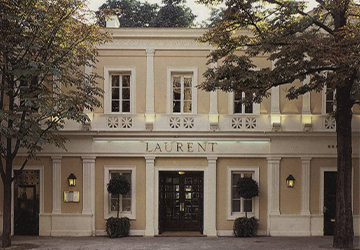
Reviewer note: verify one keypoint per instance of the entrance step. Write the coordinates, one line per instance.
(181, 234)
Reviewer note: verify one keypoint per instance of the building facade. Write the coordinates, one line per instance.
(183, 149)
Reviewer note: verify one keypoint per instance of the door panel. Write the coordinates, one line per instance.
(329, 202)
(180, 201)
(26, 203)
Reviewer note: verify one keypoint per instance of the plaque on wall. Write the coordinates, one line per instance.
(71, 196)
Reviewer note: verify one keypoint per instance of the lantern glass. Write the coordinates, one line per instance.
(72, 180)
(290, 181)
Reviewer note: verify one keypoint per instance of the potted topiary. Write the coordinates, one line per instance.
(118, 227)
(247, 188)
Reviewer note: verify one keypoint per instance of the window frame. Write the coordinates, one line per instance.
(233, 215)
(325, 101)
(108, 72)
(255, 106)
(183, 72)
(107, 197)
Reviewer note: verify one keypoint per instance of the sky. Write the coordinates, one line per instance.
(200, 10)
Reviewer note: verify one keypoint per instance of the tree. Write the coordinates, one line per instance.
(118, 185)
(44, 48)
(247, 188)
(131, 13)
(323, 44)
(216, 16)
(173, 14)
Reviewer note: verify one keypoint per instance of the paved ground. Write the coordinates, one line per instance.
(174, 243)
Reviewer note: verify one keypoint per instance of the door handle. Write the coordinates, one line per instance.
(325, 209)
(182, 207)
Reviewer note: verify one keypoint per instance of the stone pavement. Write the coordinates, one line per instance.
(174, 243)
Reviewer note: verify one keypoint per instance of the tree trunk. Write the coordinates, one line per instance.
(6, 235)
(343, 233)
(118, 206)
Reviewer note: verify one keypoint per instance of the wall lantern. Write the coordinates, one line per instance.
(72, 180)
(290, 181)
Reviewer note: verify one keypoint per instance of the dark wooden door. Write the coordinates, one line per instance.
(329, 202)
(26, 203)
(181, 201)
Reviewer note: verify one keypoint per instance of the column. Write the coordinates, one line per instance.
(89, 189)
(150, 195)
(306, 98)
(210, 198)
(273, 186)
(56, 163)
(305, 186)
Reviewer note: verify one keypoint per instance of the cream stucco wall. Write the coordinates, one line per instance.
(290, 198)
(139, 163)
(222, 223)
(125, 59)
(290, 106)
(71, 165)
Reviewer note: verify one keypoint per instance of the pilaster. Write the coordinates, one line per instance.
(150, 195)
(274, 186)
(210, 198)
(305, 186)
(150, 81)
(56, 163)
(89, 189)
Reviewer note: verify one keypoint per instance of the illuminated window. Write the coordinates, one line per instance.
(182, 87)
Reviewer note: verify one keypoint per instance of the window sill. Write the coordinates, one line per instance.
(234, 216)
(127, 214)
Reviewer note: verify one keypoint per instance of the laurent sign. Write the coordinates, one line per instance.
(180, 147)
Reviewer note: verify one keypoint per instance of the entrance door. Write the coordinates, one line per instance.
(181, 201)
(26, 203)
(329, 202)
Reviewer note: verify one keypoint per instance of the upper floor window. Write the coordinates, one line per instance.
(120, 92)
(329, 100)
(119, 86)
(242, 108)
(182, 94)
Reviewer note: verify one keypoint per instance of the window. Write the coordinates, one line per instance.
(241, 108)
(128, 201)
(237, 206)
(329, 100)
(181, 93)
(28, 93)
(125, 200)
(119, 86)
(120, 93)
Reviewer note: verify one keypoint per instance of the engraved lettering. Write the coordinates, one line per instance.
(203, 147)
(147, 147)
(166, 148)
(212, 145)
(179, 146)
(157, 147)
(190, 147)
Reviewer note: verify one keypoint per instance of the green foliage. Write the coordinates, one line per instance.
(118, 227)
(131, 13)
(118, 184)
(247, 188)
(216, 16)
(44, 49)
(173, 14)
(245, 227)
